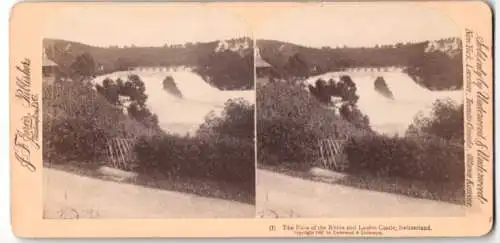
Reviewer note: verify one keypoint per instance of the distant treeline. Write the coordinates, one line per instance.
(225, 69)
(434, 69)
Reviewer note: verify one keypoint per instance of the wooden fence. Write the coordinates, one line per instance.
(331, 151)
(121, 153)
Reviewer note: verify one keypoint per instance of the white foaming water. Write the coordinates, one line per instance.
(386, 115)
(186, 114)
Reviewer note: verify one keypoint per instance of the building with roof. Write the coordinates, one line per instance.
(263, 69)
(49, 69)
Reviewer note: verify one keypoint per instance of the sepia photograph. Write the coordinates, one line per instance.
(360, 113)
(244, 119)
(148, 113)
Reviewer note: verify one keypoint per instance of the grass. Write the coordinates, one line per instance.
(200, 187)
(445, 192)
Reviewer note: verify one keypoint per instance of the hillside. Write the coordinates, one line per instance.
(227, 66)
(436, 65)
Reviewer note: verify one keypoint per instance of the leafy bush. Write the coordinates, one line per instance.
(422, 158)
(225, 159)
(345, 89)
(224, 69)
(432, 149)
(296, 66)
(445, 121)
(237, 120)
(290, 123)
(285, 141)
(228, 70)
(78, 122)
(223, 149)
(134, 89)
(437, 70)
(74, 139)
(354, 116)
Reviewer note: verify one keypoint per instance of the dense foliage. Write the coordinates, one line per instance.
(423, 158)
(445, 121)
(131, 96)
(83, 68)
(78, 122)
(344, 91)
(290, 123)
(228, 70)
(432, 149)
(237, 120)
(222, 150)
(435, 70)
(296, 66)
(224, 69)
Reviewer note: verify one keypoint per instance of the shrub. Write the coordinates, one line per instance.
(222, 150)
(422, 158)
(237, 120)
(354, 116)
(431, 150)
(285, 141)
(74, 139)
(226, 159)
(437, 70)
(290, 123)
(78, 122)
(228, 70)
(83, 68)
(134, 89)
(346, 90)
(445, 121)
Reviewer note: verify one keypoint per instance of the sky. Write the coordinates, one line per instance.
(348, 24)
(358, 26)
(140, 26)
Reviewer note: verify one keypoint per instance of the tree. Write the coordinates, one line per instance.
(437, 70)
(445, 121)
(84, 67)
(133, 89)
(345, 89)
(110, 91)
(142, 114)
(297, 66)
(228, 70)
(352, 114)
(321, 90)
(237, 121)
